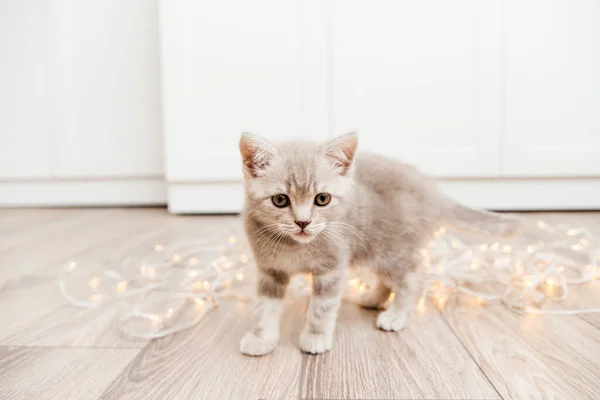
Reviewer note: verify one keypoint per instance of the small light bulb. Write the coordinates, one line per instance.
(541, 224)
(455, 244)
(474, 265)
(192, 273)
(550, 282)
(94, 282)
(244, 258)
(441, 301)
(530, 249)
(421, 305)
(176, 257)
(169, 312)
(483, 247)
(231, 239)
(507, 249)
(193, 261)
(143, 270)
(151, 273)
(518, 268)
(392, 296)
(362, 288)
(206, 285)
(239, 276)
(96, 298)
(71, 266)
(122, 286)
(354, 282)
(158, 247)
(561, 268)
(199, 303)
(528, 281)
(590, 268)
(214, 263)
(577, 247)
(495, 246)
(572, 232)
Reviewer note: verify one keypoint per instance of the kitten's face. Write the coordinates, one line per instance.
(298, 189)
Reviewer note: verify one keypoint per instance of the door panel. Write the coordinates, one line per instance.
(553, 88)
(421, 81)
(234, 66)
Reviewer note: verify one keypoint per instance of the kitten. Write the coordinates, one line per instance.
(316, 208)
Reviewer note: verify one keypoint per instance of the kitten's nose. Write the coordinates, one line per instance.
(302, 224)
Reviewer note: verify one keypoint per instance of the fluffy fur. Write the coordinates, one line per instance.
(380, 214)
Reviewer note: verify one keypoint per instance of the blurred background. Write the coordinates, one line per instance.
(141, 102)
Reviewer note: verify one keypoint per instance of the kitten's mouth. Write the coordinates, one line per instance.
(303, 236)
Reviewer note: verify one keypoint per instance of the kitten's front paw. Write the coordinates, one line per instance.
(314, 343)
(392, 320)
(253, 345)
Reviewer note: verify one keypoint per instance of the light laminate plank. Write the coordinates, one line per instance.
(46, 254)
(14, 221)
(43, 373)
(37, 314)
(47, 227)
(530, 356)
(205, 362)
(423, 361)
(587, 295)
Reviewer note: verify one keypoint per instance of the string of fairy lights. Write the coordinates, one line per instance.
(173, 287)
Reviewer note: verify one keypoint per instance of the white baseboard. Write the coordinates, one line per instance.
(205, 198)
(493, 194)
(69, 193)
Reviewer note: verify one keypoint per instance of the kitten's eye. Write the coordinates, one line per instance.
(322, 199)
(280, 200)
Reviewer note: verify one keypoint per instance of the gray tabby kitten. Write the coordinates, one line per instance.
(316, 208)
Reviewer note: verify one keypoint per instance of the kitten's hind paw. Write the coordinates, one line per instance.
(372, 300)
(314, 343)
(253, 345)
(376, 297)
(392, 320)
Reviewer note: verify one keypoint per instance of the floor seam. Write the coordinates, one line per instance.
(19, 346)
(470, 354)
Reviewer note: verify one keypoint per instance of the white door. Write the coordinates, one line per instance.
(232, 66)
(24, 90)
(106, 86)
(421, 81)
(79, 103)
(553, 88)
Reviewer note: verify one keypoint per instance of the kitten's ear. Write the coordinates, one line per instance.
(341, 150)
(256, 153)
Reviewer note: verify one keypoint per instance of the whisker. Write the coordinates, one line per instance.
(347, 228)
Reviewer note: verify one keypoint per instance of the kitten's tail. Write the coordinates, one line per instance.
(479, 221)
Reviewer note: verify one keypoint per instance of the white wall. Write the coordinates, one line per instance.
(501, 106)
(498, 99)
(80, 102)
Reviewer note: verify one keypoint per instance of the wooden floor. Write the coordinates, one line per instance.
(51, 350)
